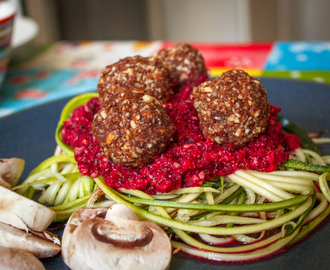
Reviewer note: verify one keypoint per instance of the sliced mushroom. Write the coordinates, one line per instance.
(13, 220)
(118, 241)
(11, 170)
(13, 259)
(48, 236)
(17, 210)
(75, 220)
(11, 237)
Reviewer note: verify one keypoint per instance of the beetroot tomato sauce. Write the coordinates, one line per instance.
(190, 159)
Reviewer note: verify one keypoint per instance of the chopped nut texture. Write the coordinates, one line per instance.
(185, 62)
(232, 108)
(134, 132)
(145, 75)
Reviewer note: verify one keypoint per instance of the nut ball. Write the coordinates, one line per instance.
(185, 62)
(139, 72)
(133, 129)
(232, 108)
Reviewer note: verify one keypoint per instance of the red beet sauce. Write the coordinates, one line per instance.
(189, 161)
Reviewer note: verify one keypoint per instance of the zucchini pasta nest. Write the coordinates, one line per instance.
(242, 216)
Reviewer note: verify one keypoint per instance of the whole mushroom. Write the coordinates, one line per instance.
(114, 239)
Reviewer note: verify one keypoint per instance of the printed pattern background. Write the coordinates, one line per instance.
(46, 73)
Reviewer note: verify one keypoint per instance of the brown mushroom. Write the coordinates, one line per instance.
(13, 259)
(11, 170)
(116, 240)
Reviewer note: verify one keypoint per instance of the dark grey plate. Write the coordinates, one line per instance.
(30, 135)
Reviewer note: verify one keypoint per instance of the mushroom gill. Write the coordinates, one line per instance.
(115, 242)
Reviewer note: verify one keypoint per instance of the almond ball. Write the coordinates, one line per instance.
(185, 62)
(133, 128)
(232, 108)
(136, 72)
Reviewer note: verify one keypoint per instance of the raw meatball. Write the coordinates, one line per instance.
(139, 72)
(185, 62)
(232, 108)
(133, 129)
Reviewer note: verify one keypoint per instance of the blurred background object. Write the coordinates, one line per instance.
(189, 20)
(72, 40)
(25, 30)
(7, 15)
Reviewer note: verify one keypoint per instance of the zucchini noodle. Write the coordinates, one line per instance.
(257, 213)
(321, 140)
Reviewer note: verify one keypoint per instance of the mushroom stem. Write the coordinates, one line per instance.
(120, 211)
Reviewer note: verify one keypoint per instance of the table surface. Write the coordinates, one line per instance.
(44, 73)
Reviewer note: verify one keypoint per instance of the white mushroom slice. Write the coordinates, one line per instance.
(11, 170)
(15, 238)
(13, 259)
(117, 242)
(15, 207)
(13, 220)
(75, 220)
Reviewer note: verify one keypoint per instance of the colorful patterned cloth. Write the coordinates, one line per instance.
(64, 69)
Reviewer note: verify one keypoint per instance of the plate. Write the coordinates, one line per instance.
(30, 135)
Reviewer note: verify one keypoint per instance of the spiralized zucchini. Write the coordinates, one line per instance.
(254, 209)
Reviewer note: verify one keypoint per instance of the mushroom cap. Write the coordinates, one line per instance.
(12, 259)
(116, 242)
